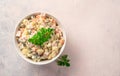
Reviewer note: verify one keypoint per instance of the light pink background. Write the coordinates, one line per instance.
(93, 37)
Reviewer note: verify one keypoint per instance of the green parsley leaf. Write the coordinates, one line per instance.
(63, 61)
(41, 36)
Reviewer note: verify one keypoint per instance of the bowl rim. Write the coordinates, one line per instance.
(46, 61)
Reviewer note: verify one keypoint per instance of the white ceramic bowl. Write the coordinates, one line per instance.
(46, 61)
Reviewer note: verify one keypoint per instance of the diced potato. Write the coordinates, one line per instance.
(32, 24)
(25, 21)
(41, 26)
(33, 52)
(22, 25)
(29, 26)
(59, 45)
(33, 57)
(29, 55)
(53, 54)
(25, 32)
(38, 60)
(54, 48)
(25, 51)
(40, 51)
(49, 57)
(46, 52)
(49, 45)
(58, 35)
(20, 45)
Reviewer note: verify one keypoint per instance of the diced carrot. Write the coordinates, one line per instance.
(62, 41)
(43, 18)
(34, 19)
(37, 16)
(53, 21)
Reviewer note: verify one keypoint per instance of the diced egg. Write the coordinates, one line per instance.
(49, 45)
(18, 34)
(29, 26)
(25, 21)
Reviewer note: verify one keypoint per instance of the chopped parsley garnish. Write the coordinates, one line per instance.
(41, 36)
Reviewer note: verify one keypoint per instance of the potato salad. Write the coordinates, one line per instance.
(39, 37)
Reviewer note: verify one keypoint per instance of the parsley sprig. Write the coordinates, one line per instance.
(41, 36)
(63, 61)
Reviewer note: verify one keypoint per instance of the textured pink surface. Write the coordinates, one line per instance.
(93, 39)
